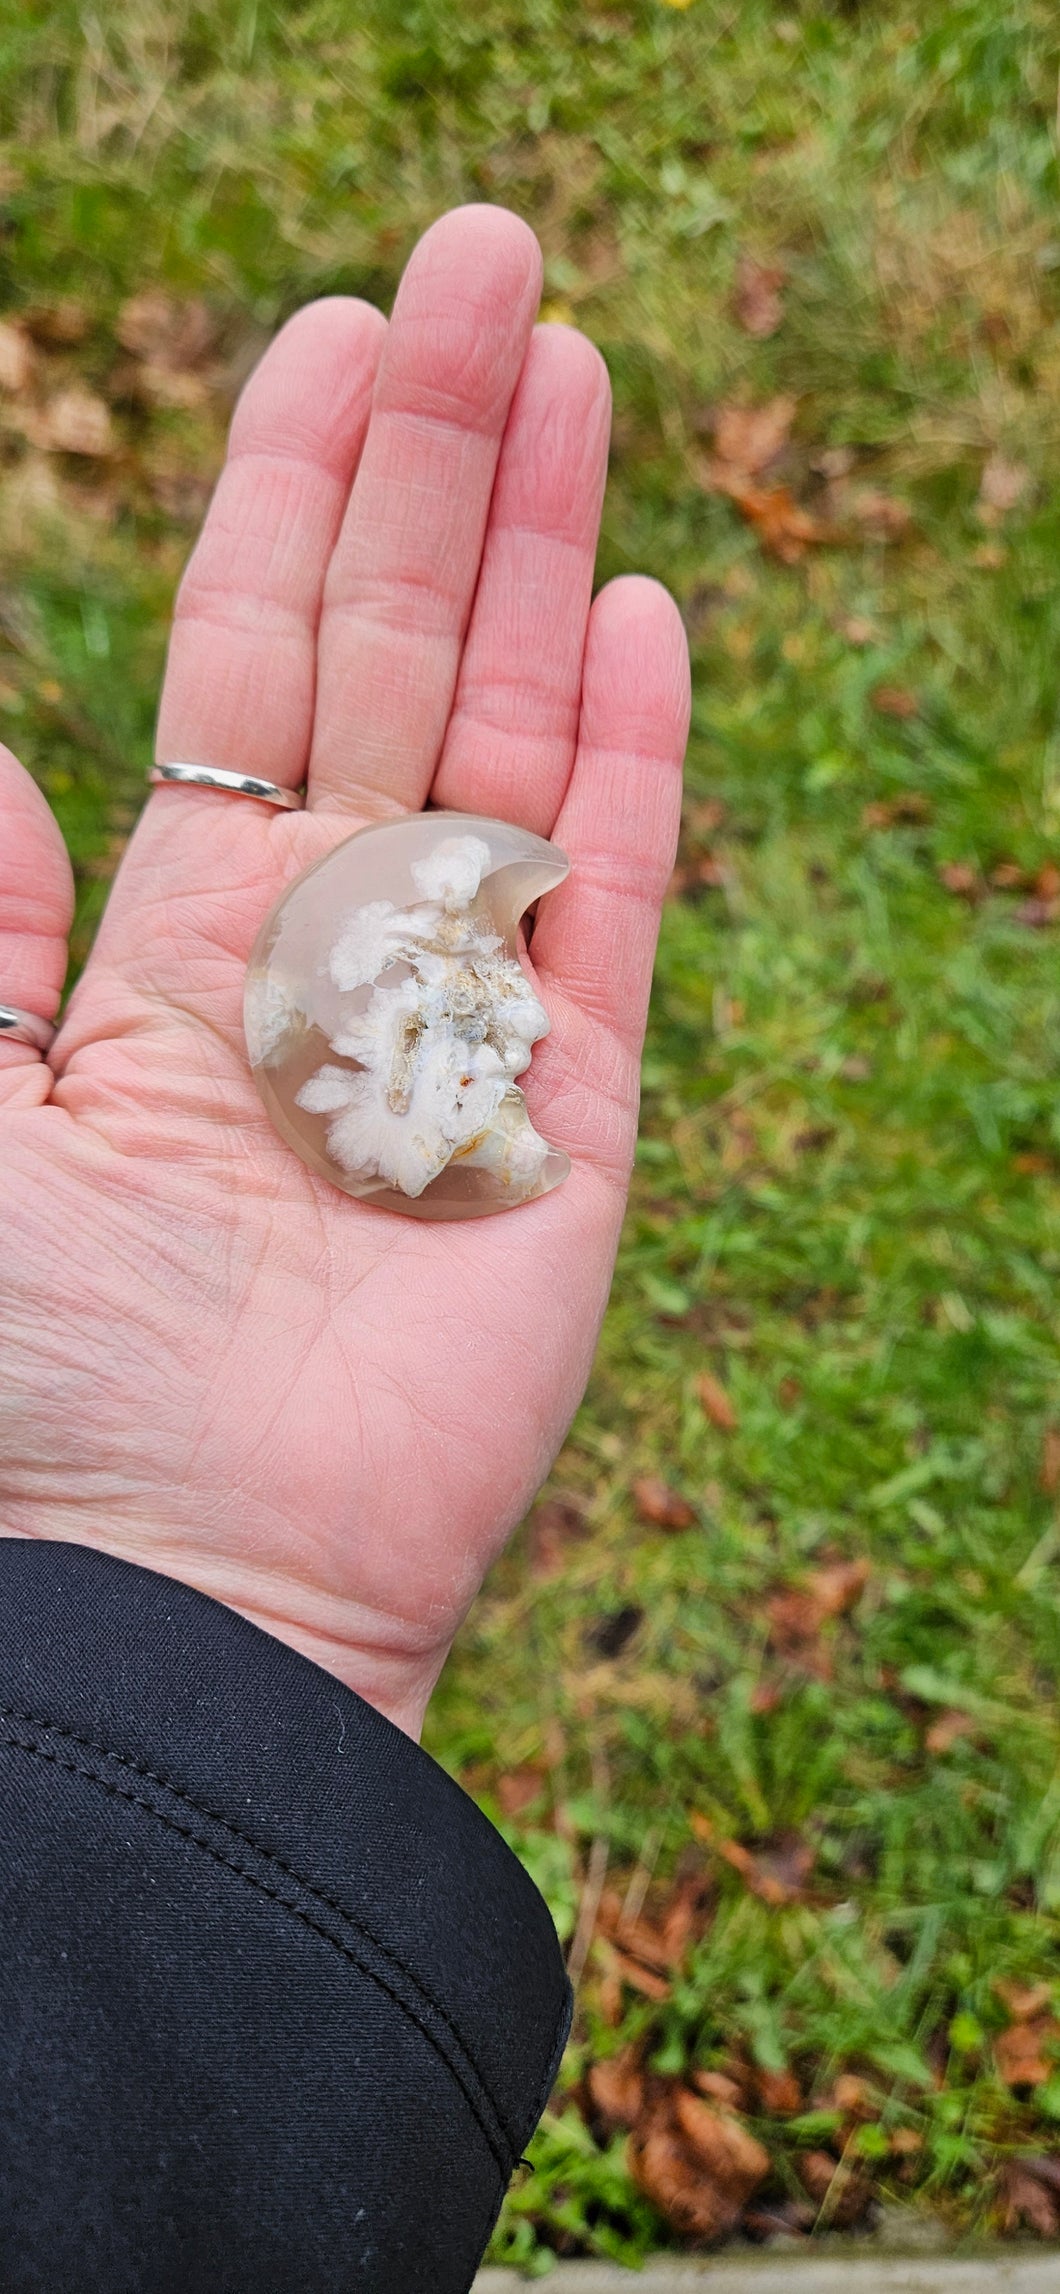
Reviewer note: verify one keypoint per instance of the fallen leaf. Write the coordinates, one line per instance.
(148, 385)
(718, 2088)
(702, 819)
(780, 523)
(518, 1789)
(1047, 881)
(961, 879)
(1000, 487)
(775, 1871)
(1008, 876)
(989, 557)
(779, 2092)
(1023, 2000)
(698, 2165)
(556, 1524)
(841, 2192)
(724, 2147)
(657, 1503)
(615, 2091)
(16, 359)
(856, 1069)
(1020, 2052)
(715, 1403)
(748, 438)
(948, 1730)
(1049, 1470)
(166, 331)
(789, 1393)
(640, 1978)
(853, 2096)
(797, 1614)
(882, 515)
(1038, 913)
(757, 300)
(858, 631)
(1027, 2200)
(895, 701)
(890, 812)
(59, 325)
(75, 421)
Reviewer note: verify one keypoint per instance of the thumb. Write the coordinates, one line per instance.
(36, 909)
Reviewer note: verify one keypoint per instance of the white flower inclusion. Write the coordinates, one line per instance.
(438, 1046)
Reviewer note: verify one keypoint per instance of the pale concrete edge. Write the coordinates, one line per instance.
(986, 2270)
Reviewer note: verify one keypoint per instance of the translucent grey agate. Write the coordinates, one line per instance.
(387, 1016)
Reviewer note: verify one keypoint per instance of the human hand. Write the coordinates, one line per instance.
(216, 1364)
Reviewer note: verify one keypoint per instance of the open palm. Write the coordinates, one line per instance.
(214, 1363)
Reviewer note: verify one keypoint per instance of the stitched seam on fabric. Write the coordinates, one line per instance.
(269, 1855)
(122, 1791)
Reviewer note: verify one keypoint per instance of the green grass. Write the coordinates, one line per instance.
(847, 1203)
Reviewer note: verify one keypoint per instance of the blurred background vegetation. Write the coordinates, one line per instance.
(766, 1692)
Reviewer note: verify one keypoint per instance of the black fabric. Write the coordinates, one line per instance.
(278, 2008)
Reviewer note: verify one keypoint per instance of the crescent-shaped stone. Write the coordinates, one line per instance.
(387, 1014)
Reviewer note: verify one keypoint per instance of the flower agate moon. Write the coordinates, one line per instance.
(387, 1016)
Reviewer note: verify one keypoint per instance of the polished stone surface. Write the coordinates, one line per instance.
(388, 1016)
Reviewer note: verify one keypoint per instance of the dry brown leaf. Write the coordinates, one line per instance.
(1000, 487)
(555, 1525)
(797, 1614)
(853, 2096)
(665, 2171)
(1023, 2000)
(948, 1730)
(166, 331)
(615, 2091)
(75, 421)
(60, 325)
(895, 701)
(775, 1871)
(841, 2192)
(16, 359)
(1049, 1470)
(757, 300)
(882, 515)
(748, 438)
(162, 386)
(858, 631)
(961, 879)
(1026, 2054)
(640, 1978)
(1028, 2200)
(890, 812)
(697, 2164)
(719, 2088)
(657, 1503)
(1047, 881)
(780, 523)
(779, 2092)
(715, 1403)
(1008, 876)
(723, 2146)
(518, 1789)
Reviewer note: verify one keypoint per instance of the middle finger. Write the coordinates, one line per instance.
(402, 576)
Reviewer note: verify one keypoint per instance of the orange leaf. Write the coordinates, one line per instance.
(715, 1403)
(757, 302)
(1020, 2056)
(664, 1507)
(748, 438)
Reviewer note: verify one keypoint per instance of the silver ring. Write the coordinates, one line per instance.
(236, 784)
(17, 1026)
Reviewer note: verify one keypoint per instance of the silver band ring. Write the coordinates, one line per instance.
(235, 784)
(17, 1026)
